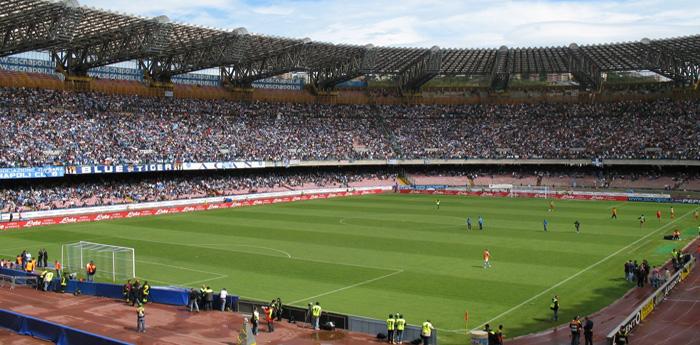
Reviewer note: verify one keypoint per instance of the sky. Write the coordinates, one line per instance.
(427, 23)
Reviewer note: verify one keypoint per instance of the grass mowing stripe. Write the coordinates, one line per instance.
(584, 270)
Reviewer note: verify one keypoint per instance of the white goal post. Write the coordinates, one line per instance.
(113, 263)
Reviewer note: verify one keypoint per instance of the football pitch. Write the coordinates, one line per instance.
(381, 254)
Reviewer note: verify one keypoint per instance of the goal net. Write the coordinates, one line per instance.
(113, 263)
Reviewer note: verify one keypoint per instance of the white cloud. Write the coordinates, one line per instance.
(446, 23)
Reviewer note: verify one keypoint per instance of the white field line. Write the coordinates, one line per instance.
(203, 280)
(289, 256)
(583, 270)
(195, 245)
(179, 267)
(348, 287)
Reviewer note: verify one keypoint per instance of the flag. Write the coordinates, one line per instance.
(246, 336)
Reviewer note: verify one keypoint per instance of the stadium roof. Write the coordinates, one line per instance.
(80, 38)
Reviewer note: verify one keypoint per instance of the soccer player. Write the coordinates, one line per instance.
(577, 224)
(481, 223)
(437, 203)
(551, 206)
(487, 257)
(642, 220)
(658, 215)
(696, 215)
(673, 213)
(545, 223)
(469, 223)
(614, 213)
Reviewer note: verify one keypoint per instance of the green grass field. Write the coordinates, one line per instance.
(375, 255)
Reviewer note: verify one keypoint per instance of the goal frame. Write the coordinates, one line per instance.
(100, 247)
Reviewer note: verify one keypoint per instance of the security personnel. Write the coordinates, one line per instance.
(141, 319)
(588, 331)
(316, 315)
(621, 337)
(145, 291)
(91, 269)
(400, 327)
(40, 283)
(555, 308)
(64, 282)
(575, 328)
(47, 280)
(426, 332)
(30, 266)
(126, 291)
(390, 326)
(491, 334)
(255, 320)
(135, 289)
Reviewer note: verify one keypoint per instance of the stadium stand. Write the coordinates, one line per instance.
(66, 128)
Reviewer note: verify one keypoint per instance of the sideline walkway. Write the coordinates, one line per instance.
(682, 321)
(677, 320)
(165, 325)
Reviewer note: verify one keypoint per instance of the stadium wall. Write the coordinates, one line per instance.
(53, 332)
(93, 214)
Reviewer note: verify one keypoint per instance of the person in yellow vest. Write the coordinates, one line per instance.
(390, 325)
(255, 320)
(145, 291)
(400, 327)
(40, 282)
(426, 332)
(141, 319)
(316, 316)
(64, 282)
(30, 266)
(47, 280)
(90, 269)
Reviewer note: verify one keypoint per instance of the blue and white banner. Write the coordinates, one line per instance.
(19, 173)
(122, 168)
(223, 165)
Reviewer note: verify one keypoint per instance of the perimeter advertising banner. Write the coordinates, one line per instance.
(121, 168)
(156, 167)
(223, 165)
(20, 173)
(156, 211)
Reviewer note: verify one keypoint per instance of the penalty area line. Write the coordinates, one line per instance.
(584, 270)
(347, 287)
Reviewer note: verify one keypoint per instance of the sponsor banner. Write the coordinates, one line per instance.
(121, 168)
(687, 201)
(519, 194)
(223, 165)
(265, 200)
(429, 187)
(41, 172)
(649, 199)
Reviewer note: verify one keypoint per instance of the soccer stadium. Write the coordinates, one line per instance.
(167, 182)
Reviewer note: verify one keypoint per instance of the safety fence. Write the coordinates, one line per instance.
(14, 280)
(647, 307)
(53, 332)
(351, 323)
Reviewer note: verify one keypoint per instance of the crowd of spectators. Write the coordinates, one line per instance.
(67, 194)
(44, 127)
